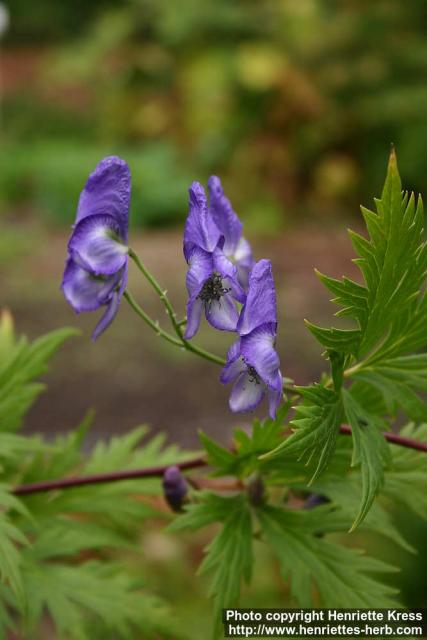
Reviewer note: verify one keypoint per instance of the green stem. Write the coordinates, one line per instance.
(162, 293)
(181, 341)
(207, 355)
(151, 323)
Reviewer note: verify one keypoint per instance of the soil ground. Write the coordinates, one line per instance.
(130, 376)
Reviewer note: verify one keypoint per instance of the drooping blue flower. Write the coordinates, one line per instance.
(212, 279)
(97, 266)
(236, 248)
(252, 362)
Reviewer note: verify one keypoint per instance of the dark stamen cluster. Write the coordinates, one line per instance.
(253, 374)
(212, 289)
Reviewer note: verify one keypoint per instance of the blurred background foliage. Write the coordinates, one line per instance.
(293, 104)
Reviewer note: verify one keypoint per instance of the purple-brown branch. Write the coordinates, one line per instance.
(151, 472)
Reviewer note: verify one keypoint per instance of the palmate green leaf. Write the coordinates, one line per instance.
(64, 536)
(399, 380)
(370, 451)
(317, 421)
(91, 601)
(11, 542)
(393, 262)
(341, 575)
(406, 481)
(61, 458)
(229, 556)
(244, 458)
(23, 363)
(344, 494)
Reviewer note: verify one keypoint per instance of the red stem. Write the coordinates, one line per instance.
(150, 472)
(394, 438)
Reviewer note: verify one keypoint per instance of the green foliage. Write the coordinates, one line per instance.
(393, 263)
(20, 364)
(370, 450)
(74, 556)
(405, 482)
(317, 421)
(264, 93)
(244, 459)
(342, 575)
(229, 556)
(59, 551)
(376, 355)
(10, 537)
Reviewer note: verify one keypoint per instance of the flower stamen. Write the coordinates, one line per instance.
(212, 290)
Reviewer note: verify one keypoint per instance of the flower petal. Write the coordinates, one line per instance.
(96, 245)
(222, 314)
(108, 316)
(194, 314)
(260, 305)
(246, 393)
(235, 364)
(113, 306)
(244, 262)
(200, 228)
(243, 254)
(107, 192)
(258, 350)
(84, 291)
(201, 268)
(275, 398)
(224, 216)
(234, 351)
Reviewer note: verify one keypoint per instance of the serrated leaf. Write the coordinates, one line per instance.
(406, 481)
(399, 380)
(370, 451)
(24, 363)
(219, 457)
(387, 307)
(317, 421)
(345, 340)
(229, 555)
(11, 540)
(344, 493)
(341, 575)
(243, 459)
(89, 598)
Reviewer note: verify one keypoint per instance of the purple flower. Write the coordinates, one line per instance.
(235, 248)
(174, 487)
(212, 279)
(97, 266)
(252, 361)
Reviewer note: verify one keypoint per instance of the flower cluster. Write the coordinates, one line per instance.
(221, 274)
(97, 266)
(235, 294)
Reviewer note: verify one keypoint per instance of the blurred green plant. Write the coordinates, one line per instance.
(288, 102)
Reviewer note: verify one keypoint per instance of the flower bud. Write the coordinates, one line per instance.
(175, 488)
(315, 500)
(256, 490)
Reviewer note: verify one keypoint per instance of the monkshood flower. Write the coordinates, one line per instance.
(236, 248)
(252, 362)
(212, 279)
(97, 266)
